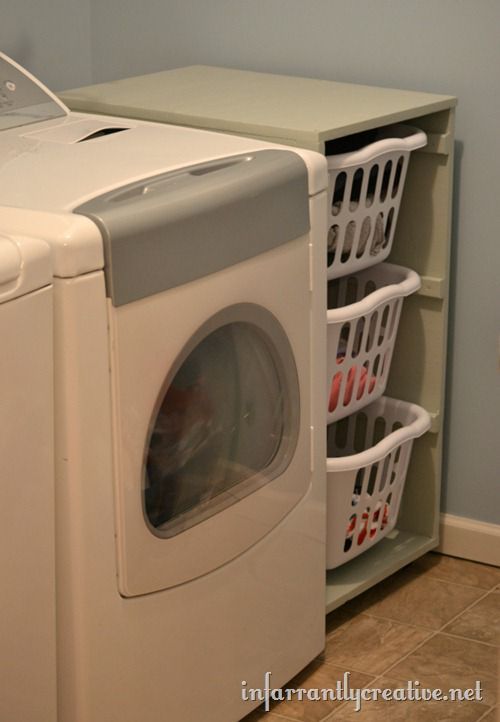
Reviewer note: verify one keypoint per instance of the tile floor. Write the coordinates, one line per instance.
(436, 621)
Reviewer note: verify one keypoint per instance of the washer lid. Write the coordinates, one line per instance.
(24, 266)
(23, 99)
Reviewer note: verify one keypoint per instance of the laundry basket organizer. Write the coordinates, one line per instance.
(368, 456)
(365, 189)
(362, 323)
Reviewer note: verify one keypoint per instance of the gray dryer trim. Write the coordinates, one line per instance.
(173, 228)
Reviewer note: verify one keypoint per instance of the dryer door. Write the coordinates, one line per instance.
(207, 273)
(212, 417)
(227, 420)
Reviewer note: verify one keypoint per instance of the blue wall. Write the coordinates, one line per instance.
(49, 37)
(450, 46)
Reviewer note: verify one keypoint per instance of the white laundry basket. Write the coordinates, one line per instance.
(365, 189)
(362, 322)
(368, 456)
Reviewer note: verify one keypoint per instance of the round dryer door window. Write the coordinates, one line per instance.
(226, 424)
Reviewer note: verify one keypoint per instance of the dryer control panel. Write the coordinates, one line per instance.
(23, 99)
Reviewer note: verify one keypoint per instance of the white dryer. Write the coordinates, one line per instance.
(189, 302)
(27, 565)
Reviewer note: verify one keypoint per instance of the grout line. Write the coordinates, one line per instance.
(470, 639)
(463, 584)
(373, 616)
(439, 631)
(432, 574)
(432, 629)
(350, 668)
(485, 592)
(386, 672)
(483, 716)
(472, 604)
(432, 633)
(265, 715)
(333, 713)
(372, 684)
(398, 621)
(405, 656)
(459, 584)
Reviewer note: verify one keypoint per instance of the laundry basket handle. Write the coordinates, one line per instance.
(400, 138)
(420, 424)
(405, 283)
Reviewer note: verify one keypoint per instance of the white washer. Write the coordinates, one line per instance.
(189, 294)
(27, 566)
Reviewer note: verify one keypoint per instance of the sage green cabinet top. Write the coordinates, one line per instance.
(295, 111)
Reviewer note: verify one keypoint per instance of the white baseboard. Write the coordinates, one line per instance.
(469, 539)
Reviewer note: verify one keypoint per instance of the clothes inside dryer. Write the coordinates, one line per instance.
(222, 430)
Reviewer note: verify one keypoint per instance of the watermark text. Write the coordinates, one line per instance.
(412, 691)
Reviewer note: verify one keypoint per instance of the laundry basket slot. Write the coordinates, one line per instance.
(363, 317)
(365, 190)
(368, 456)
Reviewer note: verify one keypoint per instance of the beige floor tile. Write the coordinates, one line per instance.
(416, 599)
(461, 571)
(448, 662)
(371, 645)
(481, 622)
(416, 711)
(316, 676)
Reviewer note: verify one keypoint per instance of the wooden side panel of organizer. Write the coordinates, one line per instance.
(418, 371)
